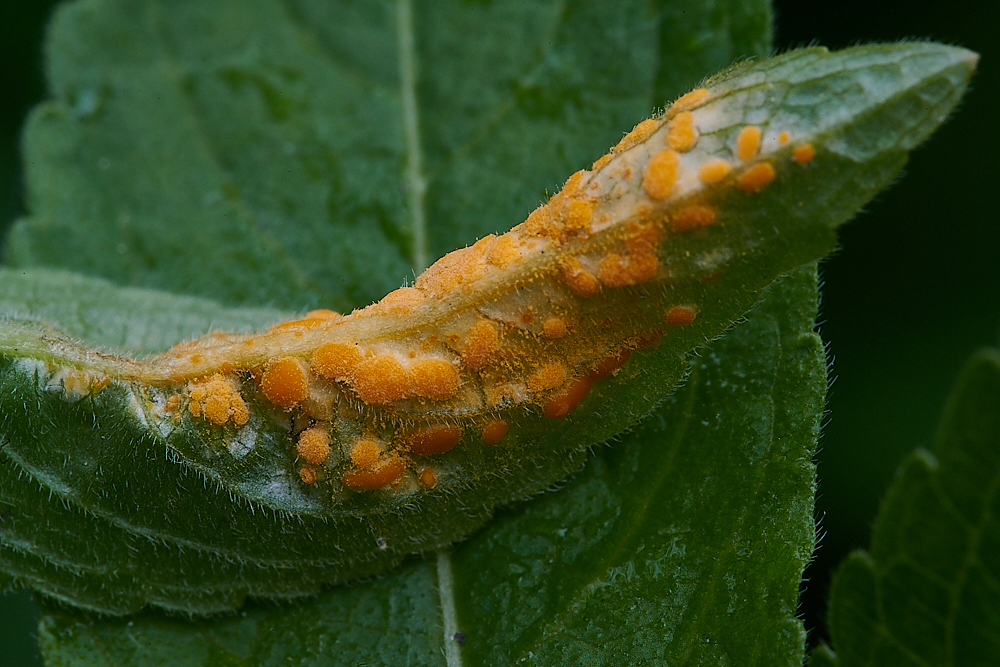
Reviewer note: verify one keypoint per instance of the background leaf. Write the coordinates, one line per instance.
(929, 591)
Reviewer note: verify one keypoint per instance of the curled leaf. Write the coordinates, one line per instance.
(327, 447)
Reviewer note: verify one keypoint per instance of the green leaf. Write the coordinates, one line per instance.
(929, 591)
(682, 543)
(257, 157)
(296, 521)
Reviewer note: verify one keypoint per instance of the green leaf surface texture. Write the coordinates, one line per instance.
(682, 543)
(927, 593)
(205, 167)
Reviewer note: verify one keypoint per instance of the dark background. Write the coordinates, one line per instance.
(912, 292)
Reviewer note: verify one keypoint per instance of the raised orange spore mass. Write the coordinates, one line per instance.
(681, 133)
(285, 382)
(679, 316)
(547, 376)
(494, 431)
(564, 402)
(427, 477)
(314, 445)
(748, 142)
(434, 378)
(481, 343)
(692, 217)
(803, 153)
(336, 361)
(218, 400)
(660, 175)
(365, 452)
(690, 100)
(381, 379)
(385, 473)
(756, 178)
(436, 439)
(714, 171)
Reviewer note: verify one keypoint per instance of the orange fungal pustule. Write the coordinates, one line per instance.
(323, 314)
(618, 270)
(692, 217)
(336, 361)
(388, 471)
(714, 171)
(434, 439)
(401, 301)
(481, 342)
(639, 264)
(660, 174)
(690, 100)
(427, 477)
(547, 376)
(748, 142)
(579, 278)
(554, 327)
(564, 402)
(504, 252)
(601, 161)
(456, 269)
(313, 445)
(365, 452)
(679, 316)
(314, 319)
(308, 475)
(609, 365)
(285, 382)
(579, 213)
(681, 132)
(434, 378)
(756, 178)
(381, 379)
(219, 401)
(638, 134)
(803, 154)
(494, 431)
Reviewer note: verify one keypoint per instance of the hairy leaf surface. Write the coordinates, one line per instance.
(682, 542)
